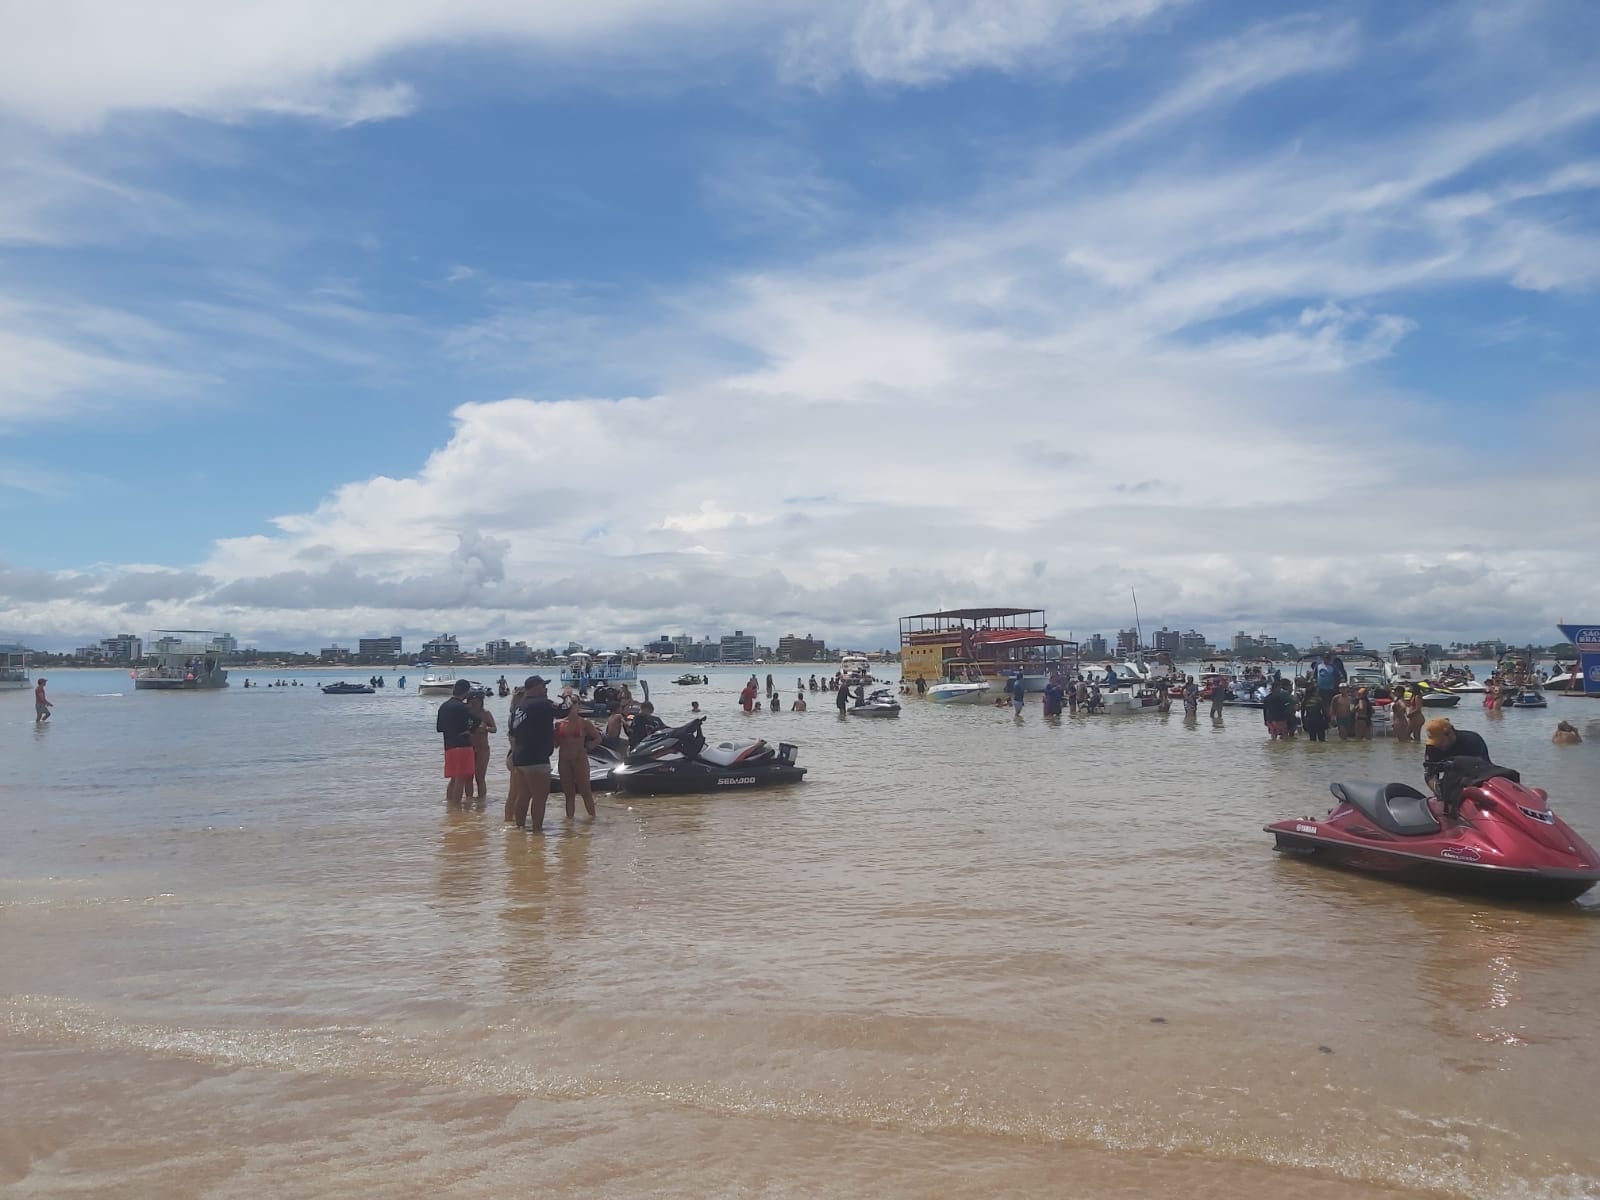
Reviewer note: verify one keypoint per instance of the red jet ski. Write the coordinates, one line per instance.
(1503, 841)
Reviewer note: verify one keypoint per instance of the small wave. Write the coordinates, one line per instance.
(357, 1051)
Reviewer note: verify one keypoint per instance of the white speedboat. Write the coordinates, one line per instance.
(855, 669)
(963, 684)
(437, 683)
(1569, 680)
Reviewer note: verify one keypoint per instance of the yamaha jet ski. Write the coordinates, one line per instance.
(679, 760)
(1497, 837)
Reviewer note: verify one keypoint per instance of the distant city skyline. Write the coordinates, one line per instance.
(121, 647)
(551, 321)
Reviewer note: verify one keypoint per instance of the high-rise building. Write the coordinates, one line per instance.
(1166, 641)
(225, 644)
(1094, 647)
(334, 654)
(1194, 643)
(445, 647)
(798, 649)
(1255, 645)
(379, 647)
(122, 648)
(738, 647)
(1127, 641)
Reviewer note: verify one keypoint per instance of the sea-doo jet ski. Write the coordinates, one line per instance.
(603, 760)
(880, 703)
(679, 760)
(1490, 835)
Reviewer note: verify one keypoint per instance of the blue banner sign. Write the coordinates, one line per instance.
(1587, 639)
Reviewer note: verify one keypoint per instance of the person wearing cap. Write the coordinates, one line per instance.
(455, 722)
(41, 706)
(533, 741)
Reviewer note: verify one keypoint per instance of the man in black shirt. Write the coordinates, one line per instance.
(455, 722)
(533, 740)
(1446, 741)
(644, 723)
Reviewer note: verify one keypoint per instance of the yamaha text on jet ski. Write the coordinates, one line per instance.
(679, 760)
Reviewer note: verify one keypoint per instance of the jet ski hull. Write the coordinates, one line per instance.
(682, 778)
(1504, 842)
(1436, 873)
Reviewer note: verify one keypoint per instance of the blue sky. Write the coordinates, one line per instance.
(321, 321)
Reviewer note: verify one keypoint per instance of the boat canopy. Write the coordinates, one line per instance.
(974, 614)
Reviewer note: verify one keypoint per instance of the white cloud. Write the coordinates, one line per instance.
(71, 63)
(919, 42)
(1161, 375)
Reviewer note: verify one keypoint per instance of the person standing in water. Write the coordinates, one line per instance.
(454, 721)
(1343, 714)
(575, 733)
(480, 741)
(841, 699)
(1314, 713)
(1363, 712)
(1400, 717)
(41, 705)
(799, 704)
(533, 738)
(1019, 693)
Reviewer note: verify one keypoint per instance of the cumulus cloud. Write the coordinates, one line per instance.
(1158, 370)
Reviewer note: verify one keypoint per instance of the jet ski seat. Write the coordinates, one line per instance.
(727, 754)
(1396, 807)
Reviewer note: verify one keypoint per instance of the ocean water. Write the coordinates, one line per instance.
(246, 950)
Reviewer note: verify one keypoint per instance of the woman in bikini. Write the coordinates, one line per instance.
(575, 733)
(480, 741)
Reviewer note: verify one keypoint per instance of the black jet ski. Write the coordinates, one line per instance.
(603, 760)
(679, 760)
(348, 689)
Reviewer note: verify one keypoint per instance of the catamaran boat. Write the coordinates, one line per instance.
(584, 671)
(185, 660)
(963, 684)
(14, 668)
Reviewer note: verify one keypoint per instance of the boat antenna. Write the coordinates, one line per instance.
(1137, 628)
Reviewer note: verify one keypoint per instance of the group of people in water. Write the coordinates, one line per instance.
(539, 729)
(752, 697)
